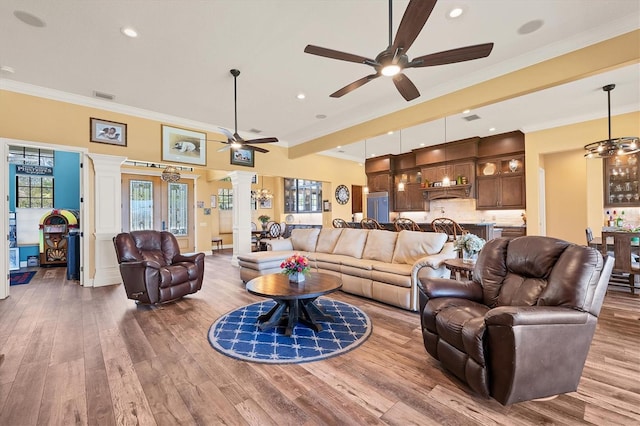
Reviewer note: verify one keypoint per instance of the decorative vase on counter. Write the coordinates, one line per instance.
(264, 226)
(469, 257)
(296, 277)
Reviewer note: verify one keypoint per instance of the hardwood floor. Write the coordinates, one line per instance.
(78, 355)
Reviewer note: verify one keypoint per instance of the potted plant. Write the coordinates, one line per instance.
(264, 219)
(470, 244)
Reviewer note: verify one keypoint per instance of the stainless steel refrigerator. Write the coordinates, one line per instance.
(378, 206)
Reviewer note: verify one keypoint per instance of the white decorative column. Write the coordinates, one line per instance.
(241, 182)
(107, 216)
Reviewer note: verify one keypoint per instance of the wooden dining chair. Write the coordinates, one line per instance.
(370, 223)
(447, 226)
(340, 223)
(626, 265)
(592, 241)
(405, 223)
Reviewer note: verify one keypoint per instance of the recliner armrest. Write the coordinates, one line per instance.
(444, 287)
(140, 264)
(188, 258)
(534, 315)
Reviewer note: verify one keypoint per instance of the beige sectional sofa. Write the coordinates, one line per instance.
(381, 265)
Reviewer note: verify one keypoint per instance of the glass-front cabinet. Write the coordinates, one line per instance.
(302, 196)
(621, 181)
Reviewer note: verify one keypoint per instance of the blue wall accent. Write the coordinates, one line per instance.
(66, 195)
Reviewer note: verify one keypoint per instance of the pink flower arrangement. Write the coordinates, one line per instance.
(294, 264)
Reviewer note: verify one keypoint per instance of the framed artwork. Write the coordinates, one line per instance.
(109, 132)
(184, 146)
(242, 157)
(266, 204)
(14, 258)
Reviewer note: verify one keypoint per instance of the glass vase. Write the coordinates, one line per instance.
(469, 257)
(296, 277)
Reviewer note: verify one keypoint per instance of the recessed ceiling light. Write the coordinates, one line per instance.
(29, 19)
(492, 129)
(466, 111)
(455, 12)
(129, 32)
(422, 144)
(7, 69)
(390, 132)
(321, 116)
(301, 96)
(339, 146)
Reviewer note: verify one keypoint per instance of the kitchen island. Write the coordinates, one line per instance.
(485, 230)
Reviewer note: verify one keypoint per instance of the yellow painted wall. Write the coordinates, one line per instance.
(557, 150)
(566, 207)
(35, 119)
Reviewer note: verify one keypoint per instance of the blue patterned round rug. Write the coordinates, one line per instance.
(237, 335)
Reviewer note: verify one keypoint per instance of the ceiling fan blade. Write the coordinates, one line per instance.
(224, 148)
(259, 149)
(227, 133)
(352, 86)
(406, 87)
(335, 54)
(262, 140)
(414, 18)
(452, 56)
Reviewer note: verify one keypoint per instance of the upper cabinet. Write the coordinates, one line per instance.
(621, 181)
(501, 183)
(378, 170)
(500, 172)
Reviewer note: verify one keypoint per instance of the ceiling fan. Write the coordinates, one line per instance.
(234, 140)
(391, 61)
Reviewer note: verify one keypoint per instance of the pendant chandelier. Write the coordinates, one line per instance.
(170, 174)
(261, 195)
(401, 183)
(365, 190)
(446, 181)
(612, 147)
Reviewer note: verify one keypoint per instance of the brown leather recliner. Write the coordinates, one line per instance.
(521, 329)
(152, 268)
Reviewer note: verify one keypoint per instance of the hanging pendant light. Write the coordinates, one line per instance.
(445, 180)
(612, 147)
(365, 190)
(170, 174)
(261, 195)
(401, 183)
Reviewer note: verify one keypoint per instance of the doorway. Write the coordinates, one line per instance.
(148, 202)
(5, 194)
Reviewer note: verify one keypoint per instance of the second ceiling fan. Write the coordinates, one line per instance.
(391, 61)
(234, 140)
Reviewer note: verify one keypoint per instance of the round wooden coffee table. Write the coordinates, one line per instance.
(294, 301)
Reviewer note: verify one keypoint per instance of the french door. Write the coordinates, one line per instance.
(148, 202)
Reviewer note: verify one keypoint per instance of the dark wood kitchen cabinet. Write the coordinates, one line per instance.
(500, 183)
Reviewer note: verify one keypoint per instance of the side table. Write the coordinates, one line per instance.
(460, 270)
(218, 244)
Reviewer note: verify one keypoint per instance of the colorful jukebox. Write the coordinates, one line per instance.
(54, 228)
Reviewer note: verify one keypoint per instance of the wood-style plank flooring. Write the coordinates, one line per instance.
(81, 356)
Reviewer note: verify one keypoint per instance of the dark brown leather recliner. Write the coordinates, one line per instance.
(152, 268)
(521, 329)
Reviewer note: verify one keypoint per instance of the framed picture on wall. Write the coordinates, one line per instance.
(109, 132)
(266, 204)
(242, 157)
(184, 146)
(14, 258)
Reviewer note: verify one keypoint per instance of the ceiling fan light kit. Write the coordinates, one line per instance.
(611, 147)
(393, 60)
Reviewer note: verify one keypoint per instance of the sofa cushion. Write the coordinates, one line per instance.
(413, 245)
(351, 242)
(305, 239)
(380, 245)
(327, 239)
